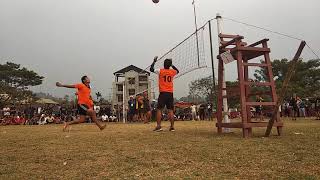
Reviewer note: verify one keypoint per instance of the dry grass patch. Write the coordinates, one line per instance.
(133, 151)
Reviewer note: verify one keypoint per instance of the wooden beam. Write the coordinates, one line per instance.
(254, 49)
(227, 36)
(233, 41)
(257, 83)
(291, 70)
(259, 42)
(247, 125)
(261, 124)
(225, 42)
(255, 64)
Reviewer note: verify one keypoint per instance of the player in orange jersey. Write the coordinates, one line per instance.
(166, 76)
(85, 103)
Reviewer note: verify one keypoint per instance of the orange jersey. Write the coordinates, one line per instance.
(84, 95)
(166, 79)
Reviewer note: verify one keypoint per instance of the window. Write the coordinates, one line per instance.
(132, 80)
(143, 78)
(144, 85)
(120, 87)
(120, 97)
(132, 92)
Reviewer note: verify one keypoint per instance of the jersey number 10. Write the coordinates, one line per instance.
(167, 78)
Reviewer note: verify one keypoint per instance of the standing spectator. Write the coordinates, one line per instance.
(194, 112)
(202, 111)
(131, 109)
(286, 107)
(295, 110)
(259, 113)
(6, 111)
(140, 107)
(307, 107)
(153, 109)
(97, 109)
(302, 110)
(146, 108)
(210, 112)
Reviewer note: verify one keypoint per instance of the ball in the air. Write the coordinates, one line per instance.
(155, 1)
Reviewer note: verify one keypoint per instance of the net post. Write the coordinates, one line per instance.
(212, 64)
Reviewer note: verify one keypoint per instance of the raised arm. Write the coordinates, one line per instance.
(154, 62)
(63, 85)
(173, 67)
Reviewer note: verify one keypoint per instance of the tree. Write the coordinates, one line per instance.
(305, 81)
(192, 99)
(99, 95)
(202, 88)
(15, 82)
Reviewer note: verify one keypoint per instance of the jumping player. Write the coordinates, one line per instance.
(165, 99)
(85, 103)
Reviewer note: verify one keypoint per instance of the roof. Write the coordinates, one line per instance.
(46, 101)
(131, 68)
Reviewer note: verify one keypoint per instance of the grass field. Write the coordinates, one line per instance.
(133, 151)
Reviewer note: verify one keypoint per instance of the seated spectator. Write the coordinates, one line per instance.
(104, 117)
(34, 120)
(113, 118)
(22, 120)
(57, 120)
(42, 120)
(69, 118)
(6, 120)
(15, 120)
(49, 119)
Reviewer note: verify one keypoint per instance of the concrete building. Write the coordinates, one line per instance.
(129, 81)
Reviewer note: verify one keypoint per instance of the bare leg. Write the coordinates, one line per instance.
(171, 118)
(77, 121)
(93, 116)
(147, 117)
(159, 116)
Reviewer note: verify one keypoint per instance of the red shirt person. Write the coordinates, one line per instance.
(85, 103)
(166, 77)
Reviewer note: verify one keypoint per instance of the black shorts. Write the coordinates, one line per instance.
(165, 100)
(82, 109)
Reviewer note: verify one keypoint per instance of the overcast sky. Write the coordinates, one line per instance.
(65, 39)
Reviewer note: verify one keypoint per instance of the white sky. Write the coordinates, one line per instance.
(65, 39)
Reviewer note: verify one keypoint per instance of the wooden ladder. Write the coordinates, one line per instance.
(243, 53)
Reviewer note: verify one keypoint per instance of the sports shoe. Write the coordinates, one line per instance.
(158, 129)
(172, 129)
(103, 127)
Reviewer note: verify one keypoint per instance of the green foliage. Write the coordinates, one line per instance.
(15, 82)
(99, 96)
(202, 88)
(305, 81)
(192, 99)
(233, 94)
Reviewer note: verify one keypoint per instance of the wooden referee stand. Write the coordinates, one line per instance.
(232, 48)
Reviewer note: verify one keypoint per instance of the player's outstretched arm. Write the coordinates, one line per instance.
(63, 85)
(175, 68)
(154, 62)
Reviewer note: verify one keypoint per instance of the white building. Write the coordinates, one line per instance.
(129, 81)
